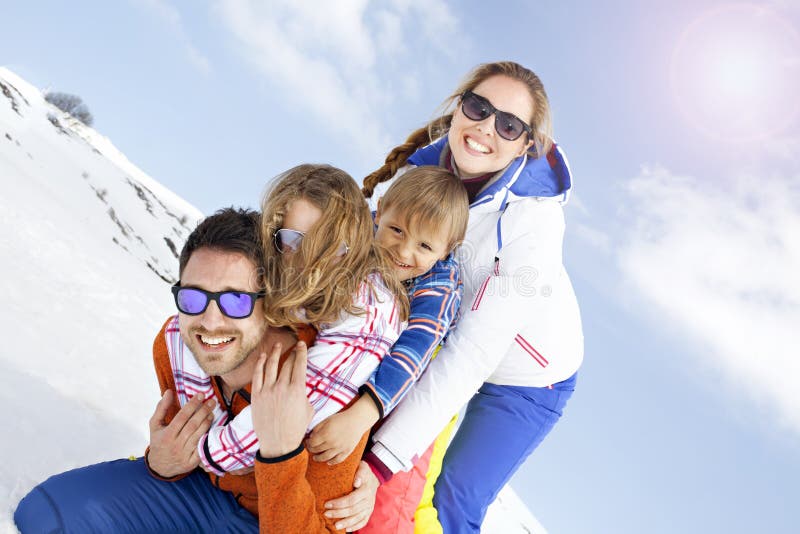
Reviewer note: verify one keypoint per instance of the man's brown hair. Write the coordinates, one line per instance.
(229, 230)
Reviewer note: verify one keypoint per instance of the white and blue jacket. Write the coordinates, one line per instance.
(520, 323)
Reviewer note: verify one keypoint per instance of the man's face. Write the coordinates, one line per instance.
(221, 344)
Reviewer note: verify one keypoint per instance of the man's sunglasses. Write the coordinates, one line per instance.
(508, 125)
(287, 240)
(234, 304)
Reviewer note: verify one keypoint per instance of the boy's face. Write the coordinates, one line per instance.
(412, 248)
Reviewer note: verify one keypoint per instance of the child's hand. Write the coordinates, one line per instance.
(334, 439)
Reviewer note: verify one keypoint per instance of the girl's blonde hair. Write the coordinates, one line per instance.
(430, 197)
(318, 284)
(539, 121)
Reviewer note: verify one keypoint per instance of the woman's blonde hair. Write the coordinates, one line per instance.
(318, 284)
(539, 121)
(430, 197)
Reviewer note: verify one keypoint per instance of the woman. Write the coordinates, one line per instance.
(519, 341)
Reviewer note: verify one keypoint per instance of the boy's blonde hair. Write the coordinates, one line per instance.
(539, 120)
(318, 284)
(430, 197)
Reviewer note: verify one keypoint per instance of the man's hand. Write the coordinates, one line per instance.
(356, 507)
(334, 439)
(281, 411)
(173, 447)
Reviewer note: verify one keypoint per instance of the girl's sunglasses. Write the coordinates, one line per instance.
(233, 304)
(287, 240)
(508, 125)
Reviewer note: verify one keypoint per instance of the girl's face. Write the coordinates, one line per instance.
(301, 215)
(413, 250)
(476, 147)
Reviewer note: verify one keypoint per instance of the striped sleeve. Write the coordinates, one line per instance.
(348, 352)
(232, 444)
(435, 299)
(341, 359)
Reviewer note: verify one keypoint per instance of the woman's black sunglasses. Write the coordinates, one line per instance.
(508, 125)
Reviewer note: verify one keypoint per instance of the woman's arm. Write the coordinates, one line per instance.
(291, 489)
(510, 299)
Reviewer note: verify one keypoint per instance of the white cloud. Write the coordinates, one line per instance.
(784, 148)
(721, 262)
(172, 17)
(435, 21)
(342, 61)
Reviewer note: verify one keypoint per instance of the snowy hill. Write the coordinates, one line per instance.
(89, 247)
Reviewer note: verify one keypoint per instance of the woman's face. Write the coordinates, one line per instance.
(475, 145)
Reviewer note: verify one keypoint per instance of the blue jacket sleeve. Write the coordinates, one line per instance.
(434, 301)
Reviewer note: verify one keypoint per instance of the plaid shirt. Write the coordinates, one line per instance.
(343, 358)
(435, 298)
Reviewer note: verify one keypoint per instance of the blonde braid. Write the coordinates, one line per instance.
(400, 154)
(396, 159)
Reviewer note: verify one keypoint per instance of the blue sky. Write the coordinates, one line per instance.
(681, 125)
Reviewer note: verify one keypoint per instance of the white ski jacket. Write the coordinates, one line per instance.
(520, 324)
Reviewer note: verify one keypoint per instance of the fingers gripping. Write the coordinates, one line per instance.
(157, 420)
(271, 368)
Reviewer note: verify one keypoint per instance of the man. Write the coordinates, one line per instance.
(205, 359)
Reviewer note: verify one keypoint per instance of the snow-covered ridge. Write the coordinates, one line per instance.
(155, 242)
(89, 246)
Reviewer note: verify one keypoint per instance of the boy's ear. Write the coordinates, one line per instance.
(452, 249)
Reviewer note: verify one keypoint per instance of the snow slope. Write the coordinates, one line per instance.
(89, 247)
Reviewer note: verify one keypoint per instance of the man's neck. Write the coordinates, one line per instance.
(243, 375)
(239, 377)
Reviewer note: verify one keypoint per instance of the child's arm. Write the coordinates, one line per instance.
(347, 352)
(229, 447)
(435, 301)
(343, 356)
(337, 436)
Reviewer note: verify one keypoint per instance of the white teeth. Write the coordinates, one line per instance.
(214, 340)
(401, 264)
(474, 145)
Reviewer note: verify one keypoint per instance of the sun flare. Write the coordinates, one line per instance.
(735, 73)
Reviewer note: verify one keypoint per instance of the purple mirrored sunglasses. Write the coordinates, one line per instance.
(233, 304)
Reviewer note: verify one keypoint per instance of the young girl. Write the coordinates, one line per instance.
(419, 222)
(322, 269)
(519, 342)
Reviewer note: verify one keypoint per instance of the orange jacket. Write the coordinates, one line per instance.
(293, 492)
